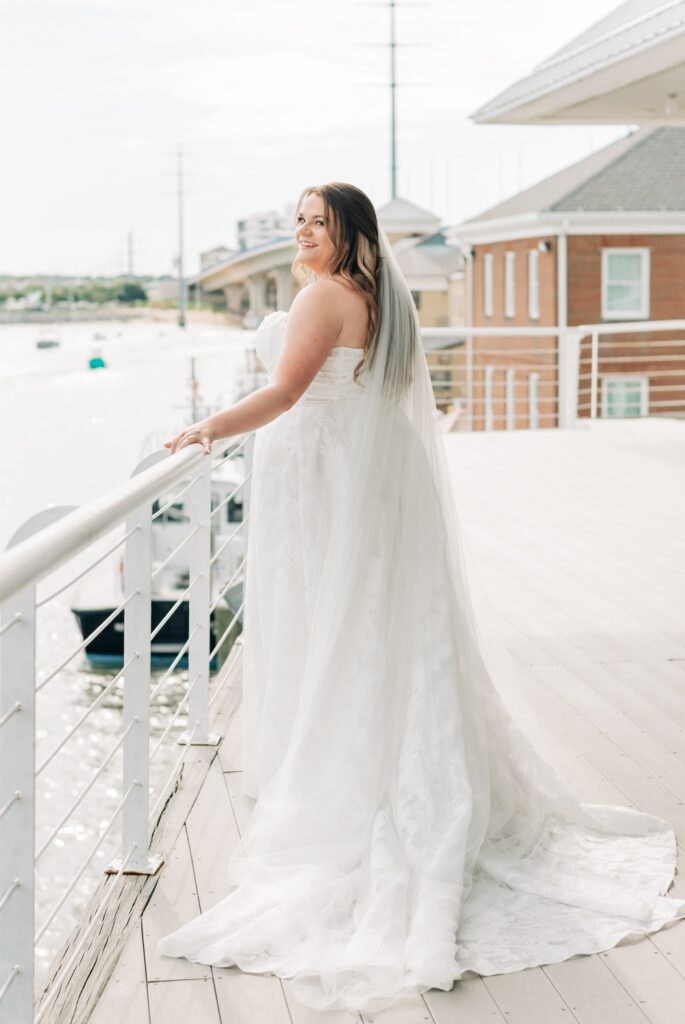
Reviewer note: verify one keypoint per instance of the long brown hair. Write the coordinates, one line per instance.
(352, 225)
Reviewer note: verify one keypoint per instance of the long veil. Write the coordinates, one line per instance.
(410, 799)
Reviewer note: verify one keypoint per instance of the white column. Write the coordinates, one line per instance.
(17, 793)
(533, 379)
(566, 400)
(510, 398)
(198, 504)
(256, 286)
(136, 747)
(285, 287)
(487, 397)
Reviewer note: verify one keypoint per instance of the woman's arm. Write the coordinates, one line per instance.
(313, 326)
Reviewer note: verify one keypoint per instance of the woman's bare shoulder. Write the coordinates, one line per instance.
(336, 291)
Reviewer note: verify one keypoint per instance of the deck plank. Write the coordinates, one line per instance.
(246, 998)
(242, 805)
(528, 997)
(183, 1002)
(467, 1002)
(593, 992)
(125, 995)
(231, 747)
(408, 1010)
(655, 983)
(212, 834)
(174, 901)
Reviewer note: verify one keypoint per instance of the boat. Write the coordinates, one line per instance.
(47, 340)
(98, 598)
(96, 361)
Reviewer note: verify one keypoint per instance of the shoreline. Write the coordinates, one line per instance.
(153, 314)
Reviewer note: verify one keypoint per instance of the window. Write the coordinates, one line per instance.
(416, 296)
(509, 283)
(624, 395)
(487, 284)
(533, 285)
(625, 284)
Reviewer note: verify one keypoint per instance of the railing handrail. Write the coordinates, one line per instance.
(628, 326)
(33, 558)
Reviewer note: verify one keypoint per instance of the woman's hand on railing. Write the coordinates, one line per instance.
(197, 433)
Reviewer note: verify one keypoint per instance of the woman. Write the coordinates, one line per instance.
(405, 829)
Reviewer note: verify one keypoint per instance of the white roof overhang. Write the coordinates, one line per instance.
(571, 222)
(629, 69)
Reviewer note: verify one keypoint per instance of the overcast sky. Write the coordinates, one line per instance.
(268, 96)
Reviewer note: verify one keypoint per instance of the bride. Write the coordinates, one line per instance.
(405, 829)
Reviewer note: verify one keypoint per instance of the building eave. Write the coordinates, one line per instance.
(604, 80)
(571, 222)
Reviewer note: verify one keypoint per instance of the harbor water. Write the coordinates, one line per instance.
(70, 434)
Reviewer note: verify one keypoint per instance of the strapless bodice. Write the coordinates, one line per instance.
(334, 379)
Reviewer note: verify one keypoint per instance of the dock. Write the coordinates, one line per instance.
(580, 538)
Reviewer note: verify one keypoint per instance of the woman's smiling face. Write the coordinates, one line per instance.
(314, 246)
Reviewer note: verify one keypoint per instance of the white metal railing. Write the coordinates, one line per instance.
(526, 384)
(43, 544)
(612, 359)
(569, 376)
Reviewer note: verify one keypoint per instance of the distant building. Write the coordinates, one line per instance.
(32, 300)
(433, 267)
(434, 271)
(266, 226)
(213, 257)
(164, 289)
(601, 241)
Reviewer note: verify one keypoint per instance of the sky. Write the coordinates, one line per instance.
(267, 97)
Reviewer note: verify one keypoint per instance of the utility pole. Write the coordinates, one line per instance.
(181, 280)
(129, 249)
(394, 84)
(393, 104)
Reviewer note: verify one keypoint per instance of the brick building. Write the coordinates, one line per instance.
(601, 241)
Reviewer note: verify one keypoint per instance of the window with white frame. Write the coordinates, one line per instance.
(509, 258)
(625, 284)
(487, 284)
(624, 395)
(533, 285)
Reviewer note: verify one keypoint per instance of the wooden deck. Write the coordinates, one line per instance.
(581, 539)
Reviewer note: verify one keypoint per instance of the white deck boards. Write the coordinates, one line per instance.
(580, 539)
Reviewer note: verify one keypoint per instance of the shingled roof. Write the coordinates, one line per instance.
(641, 171)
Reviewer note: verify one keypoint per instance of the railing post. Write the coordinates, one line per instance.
(469, 379)
(569, 367)
(487, 397)
(136, 746)
(17, 805)
(533, 379)
(510, 397)
(199, 507)
(593, 375)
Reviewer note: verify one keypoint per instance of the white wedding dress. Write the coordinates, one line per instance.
(405, 830)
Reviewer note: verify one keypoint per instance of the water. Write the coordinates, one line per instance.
(70, 434)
